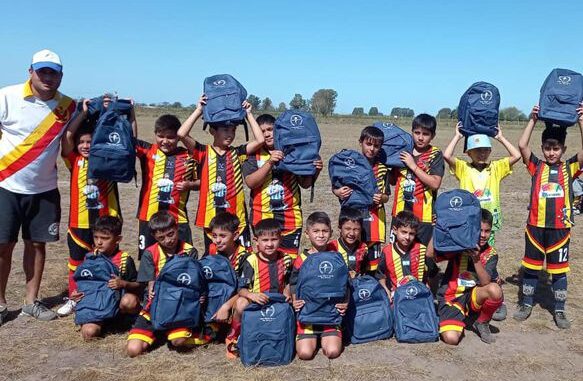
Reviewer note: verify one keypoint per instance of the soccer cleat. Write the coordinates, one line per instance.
(523, 312)
(38, 311)
(500, 313)
(561, 320)
(483, 330)
(232, 350)
(67, 309)
(3, 313)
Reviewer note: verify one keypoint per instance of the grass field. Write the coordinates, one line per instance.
(533, 350)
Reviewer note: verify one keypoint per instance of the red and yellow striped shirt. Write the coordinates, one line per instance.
(374, 225)
(392, 264)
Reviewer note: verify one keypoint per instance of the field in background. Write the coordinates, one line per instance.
(535, 349)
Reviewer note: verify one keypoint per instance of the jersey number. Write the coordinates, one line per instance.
(563, 254)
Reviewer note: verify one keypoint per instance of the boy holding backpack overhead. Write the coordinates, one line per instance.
(319, 231)
(548, 228)
(265, 271)
(417, 183)
(219, 169)
(89, 199)
(276, 193)
(373, 222)
(106, 238)
(164, 228)
(480, 176)
(168, 174)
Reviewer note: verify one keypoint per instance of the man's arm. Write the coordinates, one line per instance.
(448, 153)
(524, 141)
(513, 151)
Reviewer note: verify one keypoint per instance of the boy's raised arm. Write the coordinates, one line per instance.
(523, 143)
(448, 153)
(254, 145)
(513, 151)
(580, 123)
(68, 139)
(184, 130)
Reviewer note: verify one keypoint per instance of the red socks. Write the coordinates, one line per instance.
(488, 309)
(235, 329)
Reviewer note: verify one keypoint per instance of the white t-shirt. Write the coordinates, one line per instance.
(31, 131)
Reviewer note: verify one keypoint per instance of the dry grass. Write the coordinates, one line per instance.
(533, 350)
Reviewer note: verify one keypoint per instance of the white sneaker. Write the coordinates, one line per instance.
(67, 308)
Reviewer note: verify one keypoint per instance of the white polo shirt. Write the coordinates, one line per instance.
(31, 131)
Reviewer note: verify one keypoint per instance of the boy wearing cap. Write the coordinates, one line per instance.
(33, 116)
(550, 217)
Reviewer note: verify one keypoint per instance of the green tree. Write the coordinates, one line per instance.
(374, 111)
(298, 103)
(512, 113)
(402, 112)
(358, 111)
(281, 107)
(444, 113)
(267, 105)
(177, 105)
(453, 114)
(324, 101)
(254, 100)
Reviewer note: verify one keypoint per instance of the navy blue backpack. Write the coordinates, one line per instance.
(112, 155)
(221, 283)
(396, 141)
(351, 168)
(99, 302)
(458, 218)
(225, 96)
(415, 317)
(296, 134)
(322, 283)
(478, 110)
(369, 315)
(177, 293)
(267, 333)
(560, 96)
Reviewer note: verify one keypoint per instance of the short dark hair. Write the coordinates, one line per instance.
(318, 218)
(554, 136)
(406, 218)
(265, 119)
(349, 214)
(267, 226)
(425, 121)
(225, 221)
(108, 224)
(161, 220)
(167, 122)
(214, 126)
(487, 217)
(372, 133)
(85, 129)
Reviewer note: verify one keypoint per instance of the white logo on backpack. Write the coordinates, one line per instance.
(184, 279)
(486, 97)
(208, 272)
(456, 202)
(220, 83)
(350, 163)
(267, 313)
(85, 273)
(296, 120)
(411, 292)
(564, 80)
(114, 138)
(364, 294)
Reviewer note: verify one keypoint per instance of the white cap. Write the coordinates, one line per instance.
(46, 58)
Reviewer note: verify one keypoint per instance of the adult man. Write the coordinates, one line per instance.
(33, 116)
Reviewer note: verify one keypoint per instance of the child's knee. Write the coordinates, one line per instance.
(90, 331)
(240, 305)
(135, 348)
(305, 350)
(129, 304)
(451, 337)
(495, 292)
(332, 351)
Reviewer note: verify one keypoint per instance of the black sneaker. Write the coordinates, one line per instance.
(561, 320)
(483, 330)
(500, 313)
(523, 312)
(3, 314)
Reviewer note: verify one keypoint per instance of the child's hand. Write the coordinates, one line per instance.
(458, 134)
(275, 157)
(408, 159)
(201, 102)
(76, 296)
(319, 164)
(342, 307)
(580, 113)
(474, 254)
(298, 304)
(151, 294)
(247, 106)
(258, 297)
(499, 134)
(202, 299)
(534, 113)
(86, 105)
(182, 186)
(116, 283)
(222, 314)
(377, 198)
(344, 192)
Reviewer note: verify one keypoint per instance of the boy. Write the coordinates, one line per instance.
(219, 169)
(267, 270)
(349, 244)
(89, 198)
(480, 176)
(416, 185)
(275, 193)
(164, 228)
(106, 238)
(319, 231)
(405, 257)
(548, 229)
(373, 224)
(168, 176)
(469, 286)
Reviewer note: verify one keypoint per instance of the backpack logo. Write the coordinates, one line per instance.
(456, 202)
(350, 163)
(364, 294)
(486, 97)
(85, 273)
(325, 268)
(267, 314)
(296, 120)
(184, 279)
(220, 83)
(564, 80)
(208, 272)
(387, 125)
(114, 138)
(411, 292)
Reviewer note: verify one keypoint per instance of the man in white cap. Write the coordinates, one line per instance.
(33, 116)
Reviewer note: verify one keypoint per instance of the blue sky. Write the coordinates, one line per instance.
(419, 54)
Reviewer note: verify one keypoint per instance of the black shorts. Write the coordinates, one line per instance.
(244, 238)
(38, 214)
(146, 239)
(290, 242)
(143, 330)
(80, 242)
(424, 233)
(452, 314)
(549, 244)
